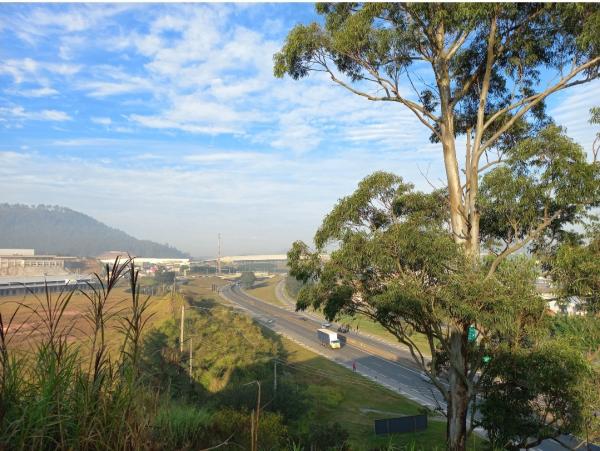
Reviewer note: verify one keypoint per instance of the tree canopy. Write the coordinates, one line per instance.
(480, 70)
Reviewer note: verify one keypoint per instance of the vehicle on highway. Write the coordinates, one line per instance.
(326, 325)
(271, 321)
(344, 329)
(328, 338)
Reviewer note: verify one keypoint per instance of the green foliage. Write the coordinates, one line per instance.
(329, 437)
(543, 180)
(595, 116)
(409, 275)
(247, 279)
(180, 426)
(579, 332)
(538, 393)
(328, 398)
(272, 433)
(164, 277)
(576, 271)
(292, 286)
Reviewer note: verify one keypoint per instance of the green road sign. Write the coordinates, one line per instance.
(471, 333)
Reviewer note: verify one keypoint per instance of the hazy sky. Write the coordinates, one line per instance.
(165, 121)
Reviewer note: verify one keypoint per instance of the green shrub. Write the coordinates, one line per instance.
(181, 426)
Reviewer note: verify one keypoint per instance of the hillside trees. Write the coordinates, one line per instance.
(62, 231)
(490, 70)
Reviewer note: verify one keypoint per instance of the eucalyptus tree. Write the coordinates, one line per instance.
(491, 69)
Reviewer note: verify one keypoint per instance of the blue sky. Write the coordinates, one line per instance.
(165, 121)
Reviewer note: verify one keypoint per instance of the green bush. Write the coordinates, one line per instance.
(329, 437)
(235, 425)
(181, 426)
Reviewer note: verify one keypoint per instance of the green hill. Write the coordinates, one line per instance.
(58, 230)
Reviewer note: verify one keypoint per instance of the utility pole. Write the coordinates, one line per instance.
(275, 377)
(219, 256)
(191, 357)
(254, 420)
(181, 329)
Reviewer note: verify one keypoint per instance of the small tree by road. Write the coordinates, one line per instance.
(247, 279)
(164, 277)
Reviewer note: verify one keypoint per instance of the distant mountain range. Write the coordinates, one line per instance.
(62, 231)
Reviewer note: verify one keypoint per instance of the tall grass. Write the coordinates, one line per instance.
(181, 426)
(62, 394)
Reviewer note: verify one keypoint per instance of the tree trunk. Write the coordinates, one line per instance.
(448, 140)
(459, 226)
(456, 430)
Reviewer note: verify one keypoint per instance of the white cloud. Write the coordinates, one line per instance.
(571, 110)
(10, 157)
(37, 23)
(112, 81)
(36, 92)
(19, 113)
(52, 115)
(185, 125)
(28, 69)
(101, 120)
(220, 157)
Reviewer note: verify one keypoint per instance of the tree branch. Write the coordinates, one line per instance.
(508, 250)
(532, 101)
(499, 51)
(410, 105)
(458, 42)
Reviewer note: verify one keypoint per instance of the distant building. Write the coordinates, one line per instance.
(24, 262)
(146, 263)
(17, 286)
(568, 306)
(257, 263)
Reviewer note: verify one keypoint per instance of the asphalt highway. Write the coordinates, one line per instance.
(395, 371)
